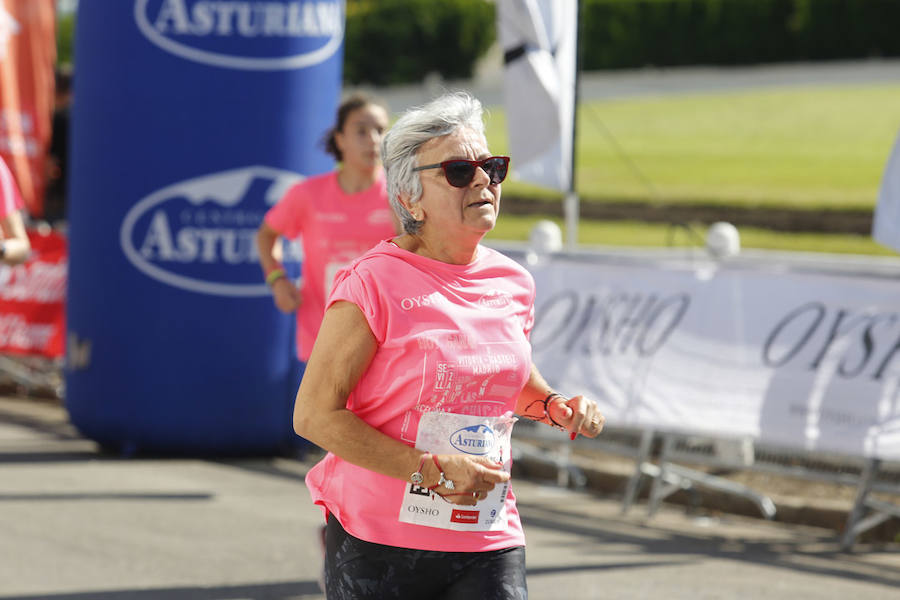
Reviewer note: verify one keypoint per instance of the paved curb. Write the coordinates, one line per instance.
(776, 218)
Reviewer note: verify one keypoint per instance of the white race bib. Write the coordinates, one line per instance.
(448, 433)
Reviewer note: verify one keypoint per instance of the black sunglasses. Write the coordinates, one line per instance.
(460, 173)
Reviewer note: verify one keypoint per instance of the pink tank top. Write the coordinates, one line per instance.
(451, 338)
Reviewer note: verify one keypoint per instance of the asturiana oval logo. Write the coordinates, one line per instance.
(200, 234)
(240, 34)
(495, 299)
(477, 439)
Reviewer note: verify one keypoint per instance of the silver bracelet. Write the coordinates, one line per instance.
(417, 477)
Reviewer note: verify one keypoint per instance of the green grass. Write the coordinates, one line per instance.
(631, 233)
(811, 148)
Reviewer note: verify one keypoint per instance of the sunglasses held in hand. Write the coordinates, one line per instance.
(460, 173)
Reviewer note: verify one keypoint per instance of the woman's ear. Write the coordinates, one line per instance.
(415, 209)
(338, 137)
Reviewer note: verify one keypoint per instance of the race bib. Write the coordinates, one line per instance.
(448, 433)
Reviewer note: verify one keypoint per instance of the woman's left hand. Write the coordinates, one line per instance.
(577, 414)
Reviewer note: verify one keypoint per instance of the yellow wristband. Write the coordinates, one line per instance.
(274, 275)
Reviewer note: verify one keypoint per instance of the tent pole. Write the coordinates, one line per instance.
(571, 204)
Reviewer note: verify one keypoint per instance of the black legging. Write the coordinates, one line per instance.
(357, 569)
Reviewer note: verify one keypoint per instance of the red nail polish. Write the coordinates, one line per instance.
(572, 436)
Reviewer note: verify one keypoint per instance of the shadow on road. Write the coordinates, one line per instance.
(807, 550)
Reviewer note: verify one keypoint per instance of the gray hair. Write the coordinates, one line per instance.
(400, 147)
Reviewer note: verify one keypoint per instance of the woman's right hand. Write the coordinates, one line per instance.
(287, 296)
(472, 476)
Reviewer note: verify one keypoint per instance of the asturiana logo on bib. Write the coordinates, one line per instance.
(241, 34)
(477, 439)
(200, 234)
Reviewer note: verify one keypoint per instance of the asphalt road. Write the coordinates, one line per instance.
(599, 85)
(77, 525)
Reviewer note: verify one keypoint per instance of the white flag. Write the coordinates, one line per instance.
(886, 223)
(538, 38)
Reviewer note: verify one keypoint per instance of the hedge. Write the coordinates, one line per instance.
(401, 41)
(637, 33)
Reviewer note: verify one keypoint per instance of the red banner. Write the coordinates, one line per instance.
(27, 55)
(32, 299)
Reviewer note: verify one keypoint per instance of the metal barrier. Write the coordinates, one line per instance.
(587, 343)
(667, 475)
(33, 374)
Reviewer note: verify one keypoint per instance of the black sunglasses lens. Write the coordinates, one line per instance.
(496, 169)
(459, 173)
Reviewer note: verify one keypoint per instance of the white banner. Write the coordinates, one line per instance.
(538, 38)
(886, 222)
(802, 358)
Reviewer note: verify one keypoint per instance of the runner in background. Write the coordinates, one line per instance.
(14, 244)
(58, 152)
(339, 216)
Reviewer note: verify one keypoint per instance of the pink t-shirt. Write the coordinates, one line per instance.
(10, 198)
(336, 228)
(451, 338)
